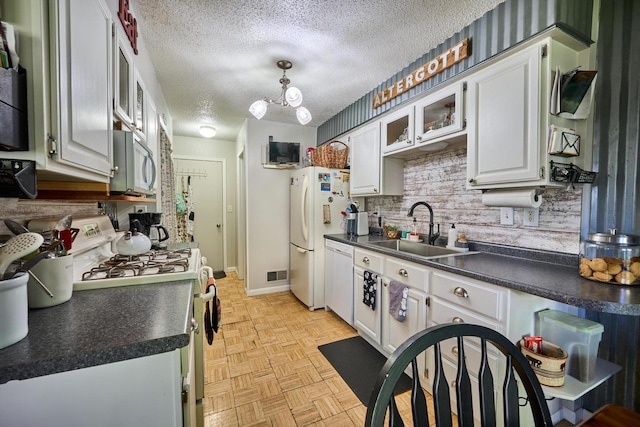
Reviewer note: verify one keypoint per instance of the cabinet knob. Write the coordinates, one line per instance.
(384, 284)
(409, 142)
(419, 138)
(457, 320)
(472, 181)
(403, 272)
(454, 350)
(365, 260)
(461, 292)
(375, 190)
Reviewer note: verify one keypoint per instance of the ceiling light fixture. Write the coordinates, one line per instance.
(290, 96)
(207, 131)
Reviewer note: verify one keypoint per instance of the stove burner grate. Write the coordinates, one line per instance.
(150, 263)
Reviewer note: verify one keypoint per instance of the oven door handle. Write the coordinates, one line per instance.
(209, 295)
(205, 276)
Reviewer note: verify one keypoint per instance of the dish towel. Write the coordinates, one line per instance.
(370, 287)
(398, 300)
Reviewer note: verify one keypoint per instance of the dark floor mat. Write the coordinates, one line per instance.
(219, 274)
(359, 364)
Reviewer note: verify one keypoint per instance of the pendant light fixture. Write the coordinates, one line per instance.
(290, 96)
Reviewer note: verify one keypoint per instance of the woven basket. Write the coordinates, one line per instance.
(329, 156)
(549, 366)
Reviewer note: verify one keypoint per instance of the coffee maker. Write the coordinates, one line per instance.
(151, 227)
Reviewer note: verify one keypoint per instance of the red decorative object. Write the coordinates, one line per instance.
(129, 24)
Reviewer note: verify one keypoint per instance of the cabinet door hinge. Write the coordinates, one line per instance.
(426, 373)
(464, 86)
(464, 124)
(427, 301)
(542, 172)
(544, 51)
(53, 146)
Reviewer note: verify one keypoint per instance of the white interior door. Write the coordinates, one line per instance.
(207, 189)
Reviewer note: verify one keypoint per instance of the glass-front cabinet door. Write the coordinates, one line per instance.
(140, 112)
(397, 130)
(440, 113)
(123, 76)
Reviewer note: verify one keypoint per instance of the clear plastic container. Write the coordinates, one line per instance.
(579, 337)
(611, 258)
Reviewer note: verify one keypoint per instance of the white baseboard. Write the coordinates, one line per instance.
(270, 290)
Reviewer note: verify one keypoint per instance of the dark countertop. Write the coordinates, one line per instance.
(101, 326)
(546, 274)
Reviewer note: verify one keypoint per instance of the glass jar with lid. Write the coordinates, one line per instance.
(611, 258)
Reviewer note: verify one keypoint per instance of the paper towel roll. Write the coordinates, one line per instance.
(512, 198)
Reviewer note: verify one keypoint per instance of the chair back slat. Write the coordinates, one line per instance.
(510, 392)
(485, 380)
(464, 399)
(395, 420)
(419, 409)
(441, 397)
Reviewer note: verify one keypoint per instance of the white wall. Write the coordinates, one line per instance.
(209, 149)
(267, 201)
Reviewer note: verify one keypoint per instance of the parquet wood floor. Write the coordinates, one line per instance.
(264, 367)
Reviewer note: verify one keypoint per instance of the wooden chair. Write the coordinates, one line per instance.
(382, 394)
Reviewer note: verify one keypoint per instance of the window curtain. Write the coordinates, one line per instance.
(168, 188)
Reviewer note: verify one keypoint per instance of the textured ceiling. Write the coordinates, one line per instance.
(213, 58)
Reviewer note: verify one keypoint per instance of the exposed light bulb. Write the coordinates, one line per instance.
(293, 96)
(303, 115)
(258, 109)
(207, 131)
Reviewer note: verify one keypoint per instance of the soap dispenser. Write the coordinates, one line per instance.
(452, 236)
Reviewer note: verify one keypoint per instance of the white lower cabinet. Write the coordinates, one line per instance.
(415, 278)
(367, 320)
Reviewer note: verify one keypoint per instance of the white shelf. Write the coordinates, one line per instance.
(573, 389)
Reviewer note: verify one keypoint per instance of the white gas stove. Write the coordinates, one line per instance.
(96, 266)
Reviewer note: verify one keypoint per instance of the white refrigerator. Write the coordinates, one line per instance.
(318, 196)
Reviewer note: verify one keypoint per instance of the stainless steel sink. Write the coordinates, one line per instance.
(416, 248)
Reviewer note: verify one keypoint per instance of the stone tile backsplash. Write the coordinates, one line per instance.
(23, 211)
(439, 179)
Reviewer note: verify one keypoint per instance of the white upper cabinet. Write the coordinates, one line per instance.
(504, 129)
(438, 114)
(508, 116)
(372, 175)
(365, 160)
(397, 130)
(81, 134)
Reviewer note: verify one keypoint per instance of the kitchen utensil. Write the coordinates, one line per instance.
(39, 282)
(68, 235)
(27, 265)
(64, 223)
(15, 227)
(17, 247)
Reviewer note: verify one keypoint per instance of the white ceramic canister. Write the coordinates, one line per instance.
(57, 275)
(14, 312)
